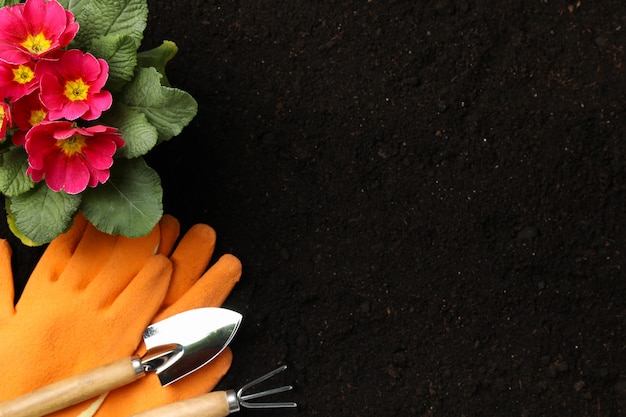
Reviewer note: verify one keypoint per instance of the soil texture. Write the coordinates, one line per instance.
(427, 198)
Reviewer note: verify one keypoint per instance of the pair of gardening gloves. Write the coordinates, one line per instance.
(90, 298)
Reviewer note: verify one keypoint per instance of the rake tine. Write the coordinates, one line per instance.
(263, 378)
(265, 393)
(244, 399)
(223, 403)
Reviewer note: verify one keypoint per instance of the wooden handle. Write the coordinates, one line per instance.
(213, 404)
(72, 390)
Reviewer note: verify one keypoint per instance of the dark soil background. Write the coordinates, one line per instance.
(427, 198)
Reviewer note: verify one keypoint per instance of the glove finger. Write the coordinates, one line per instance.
(190, 260)
(170, 230)
(59, 251)
(89, 258)
(140, 300)
(7, 289)
(52, 264)
(125, 260)
(131, 314)
(210, 290)
(147, 393)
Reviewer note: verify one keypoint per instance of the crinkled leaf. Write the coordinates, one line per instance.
(139, 135)
(120, 52)
(158, 57)
(13, 178)
(17, 232)
(42, 214)
(129, 203)
(111, 17)
(168, 109)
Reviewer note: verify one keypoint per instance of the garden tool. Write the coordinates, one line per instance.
(195, 283)
(176, 347)
(94, 281)
(223, 403)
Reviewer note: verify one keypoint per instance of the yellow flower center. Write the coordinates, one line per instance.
(76, 90)
(36, 116)
(23, 74)
(73, 144)
(37, 44)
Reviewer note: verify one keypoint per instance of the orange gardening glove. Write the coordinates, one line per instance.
(86, 303)
(192, 286)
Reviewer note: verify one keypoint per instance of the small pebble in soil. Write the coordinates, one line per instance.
(528, 232)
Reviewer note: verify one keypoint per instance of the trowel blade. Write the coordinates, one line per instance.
(199, 336)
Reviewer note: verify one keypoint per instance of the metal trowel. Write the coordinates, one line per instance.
(175, 347)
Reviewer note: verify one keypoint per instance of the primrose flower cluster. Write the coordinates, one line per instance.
(48, 90)
(80, 105)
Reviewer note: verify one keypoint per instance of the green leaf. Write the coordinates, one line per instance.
(168, 109)
(42, 214)
(111, 17)
(8, 2)
(120, 52)
(139, 135)
(13, 228)
(158, 57)
(129, 203)
(13, 178)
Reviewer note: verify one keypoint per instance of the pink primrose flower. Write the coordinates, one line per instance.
(5, 119)
(70, 158)
(27, 112)
(17, 80)
(72, 86)
(33, 29)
